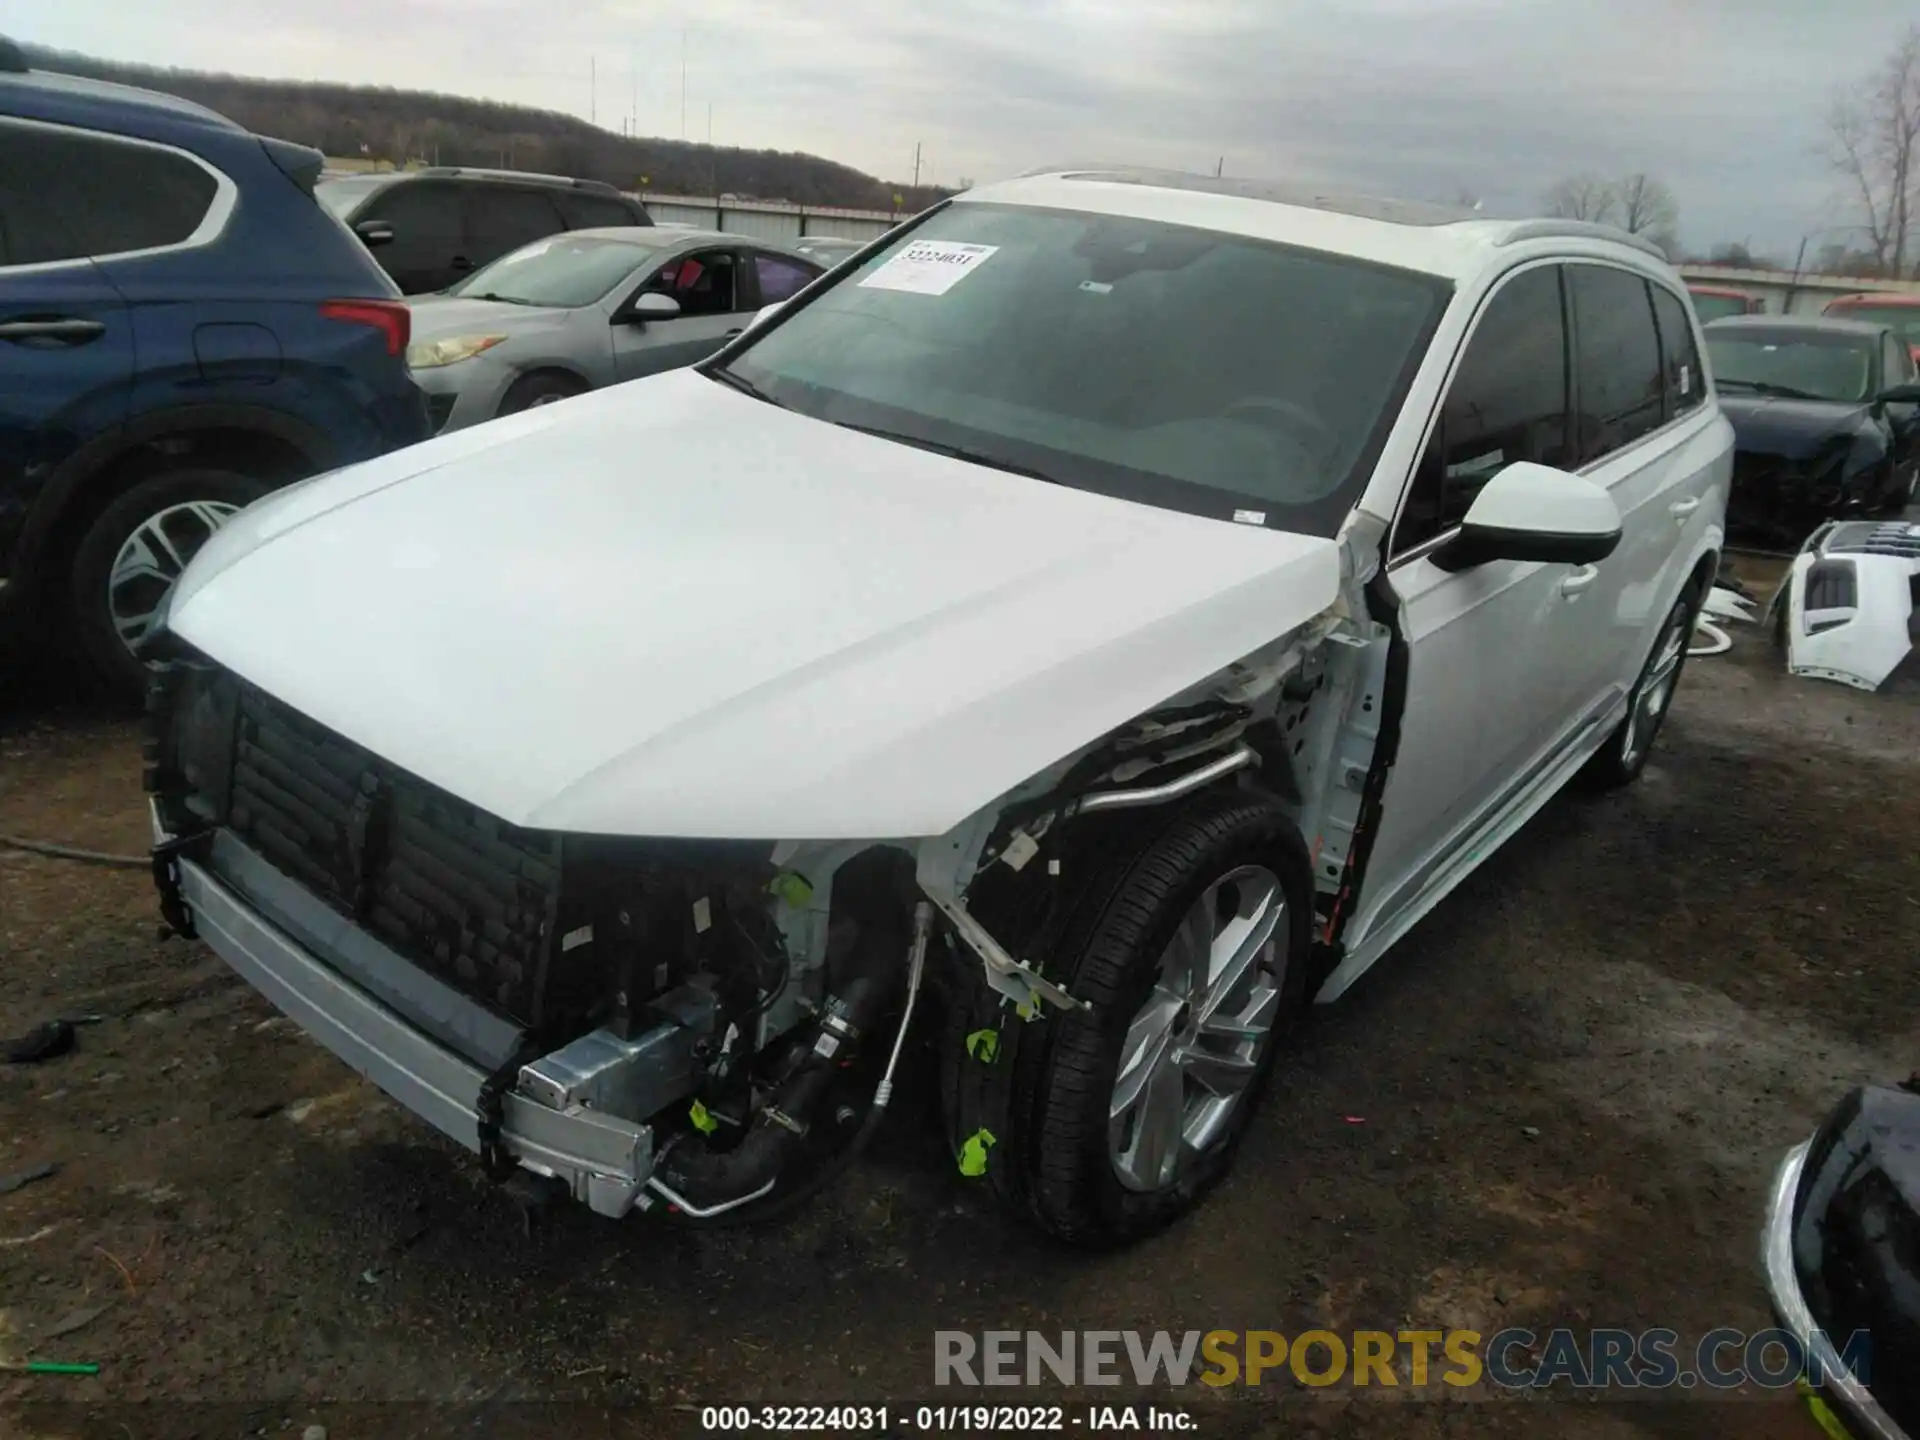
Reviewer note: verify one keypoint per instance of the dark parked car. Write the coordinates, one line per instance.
(1825, 414)
(1842, 1259)
(432, 228)
(182, 328)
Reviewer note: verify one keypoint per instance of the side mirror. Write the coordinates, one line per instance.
(374, 233)
(1907, 394)
(652, 305)
(764, 313)
(1534, 512)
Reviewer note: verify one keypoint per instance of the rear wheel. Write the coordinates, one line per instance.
(130, 556)
(1624, 756)
(1108, 1124)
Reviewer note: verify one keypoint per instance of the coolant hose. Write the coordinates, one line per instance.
(714, 1177)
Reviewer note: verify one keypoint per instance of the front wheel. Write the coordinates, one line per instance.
(1107, 1124)
(531, 391)
(1620, 761)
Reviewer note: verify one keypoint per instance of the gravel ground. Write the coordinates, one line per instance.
(1559, 1102)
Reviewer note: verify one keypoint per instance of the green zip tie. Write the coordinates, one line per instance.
(791, 888)
(973, 1153)
(984, 1046)
(702, 1118)
(52, 1367)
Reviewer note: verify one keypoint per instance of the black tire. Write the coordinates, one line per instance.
(539, 389)
(1614, 764)
(1042, 1087)
(89, 608)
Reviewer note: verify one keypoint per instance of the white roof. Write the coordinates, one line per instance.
(1435, 239)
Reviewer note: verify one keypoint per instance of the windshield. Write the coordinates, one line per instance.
(1803, 367)
(561, 270)
(1205, 372)
(342, 197)
(1718, 307)
(1903, 320)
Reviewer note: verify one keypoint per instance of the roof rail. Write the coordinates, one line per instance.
(446, 171)
(598, 186)
(1552, 229)
(13, 60)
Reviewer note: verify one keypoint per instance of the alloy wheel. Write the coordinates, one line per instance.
(1655, 691)
(151, 559)
(1198, 1040)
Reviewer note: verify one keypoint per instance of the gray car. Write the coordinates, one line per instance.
(575, 311)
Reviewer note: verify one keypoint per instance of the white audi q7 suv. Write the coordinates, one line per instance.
(1098, 622)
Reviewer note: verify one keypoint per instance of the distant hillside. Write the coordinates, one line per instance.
(402, 125)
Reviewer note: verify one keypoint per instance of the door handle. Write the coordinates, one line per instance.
(63, 330)
(1681, 509)
(1579, 580)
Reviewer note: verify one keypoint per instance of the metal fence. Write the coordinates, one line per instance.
(768, 219)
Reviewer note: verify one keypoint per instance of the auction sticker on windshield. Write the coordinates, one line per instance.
(929, 267)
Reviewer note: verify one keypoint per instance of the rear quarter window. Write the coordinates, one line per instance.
(70, 194)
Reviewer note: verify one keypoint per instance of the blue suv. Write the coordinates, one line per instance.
(183, 327)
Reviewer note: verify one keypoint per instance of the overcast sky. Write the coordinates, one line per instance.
(1723, 99)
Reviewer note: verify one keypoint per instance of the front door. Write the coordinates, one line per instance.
(429, 247)
(1493, 671)
(712, 296)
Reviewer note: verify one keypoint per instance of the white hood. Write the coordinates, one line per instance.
(669, 609)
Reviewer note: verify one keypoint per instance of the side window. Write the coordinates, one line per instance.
(1680, 358)
(1896, 363)
(781, 278)
(501, 218)
(1507, 402)
(65, 195)
(1617, 357)
(583, 212)
(426, 225)
(702, 283)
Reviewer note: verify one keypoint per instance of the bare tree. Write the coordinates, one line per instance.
(1873, 134)
(1647, 206)
(1582, 197)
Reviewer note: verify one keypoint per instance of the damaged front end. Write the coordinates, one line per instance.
(546, 1000)
(707, 1026)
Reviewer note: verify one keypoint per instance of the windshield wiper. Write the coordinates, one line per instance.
(745, 387)
(503, 299)
(953, 452)
(1762, 387)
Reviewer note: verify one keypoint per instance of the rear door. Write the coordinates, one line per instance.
(66, 341)
(779, 278)
(1641, 433)
(713, 295)
(502, 218)
(586, 210)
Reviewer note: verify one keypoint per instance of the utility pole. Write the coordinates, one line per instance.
(916, 164)
(593, 90)
(633, 77)
(1218, 166)
(683, 85)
